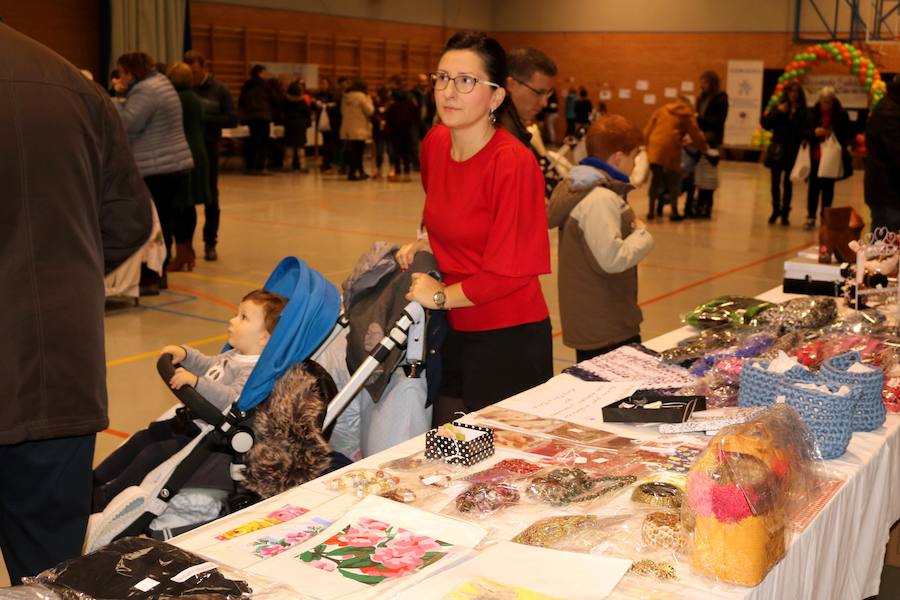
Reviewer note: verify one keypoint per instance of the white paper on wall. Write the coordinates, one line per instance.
(649, 98)
(624, 93)
(642, 85)
(670, 92)
(687, 86)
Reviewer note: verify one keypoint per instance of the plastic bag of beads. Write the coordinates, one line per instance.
(750, 347)
(363, 482)
(481, 499)
(735, 310)
(809, 312)
(817, 351)
(863, 322)
(891, 394)
(705, 342)
(741, 491)
(573, 533)
(570, 486)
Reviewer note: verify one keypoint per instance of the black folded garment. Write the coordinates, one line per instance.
(139, 568)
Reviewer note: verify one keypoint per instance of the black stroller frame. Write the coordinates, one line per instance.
(232, 428)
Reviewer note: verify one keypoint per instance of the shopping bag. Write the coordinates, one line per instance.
(831, 165)
(324, 121)
(800, 172)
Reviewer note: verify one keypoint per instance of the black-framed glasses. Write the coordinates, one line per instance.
(544, 93)
(464, 83)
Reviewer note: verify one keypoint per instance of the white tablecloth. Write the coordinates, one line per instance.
(839, 556)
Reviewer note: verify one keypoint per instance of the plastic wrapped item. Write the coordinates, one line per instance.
(363, 482)
(509, 468)
(817, 351)
(156, 568)
(705, 342)
(34, 591)
(567, 486)
(664, 530)
(788, 343)
(574, 533)
(485, 498)
(809, 312)
(891, 394)
(735, 310)
(660, 491)
(749, 347)
(862, 322)
(740, 493)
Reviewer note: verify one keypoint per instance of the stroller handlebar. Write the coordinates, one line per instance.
(188, 396)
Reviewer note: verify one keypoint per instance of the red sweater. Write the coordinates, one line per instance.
(487, 225)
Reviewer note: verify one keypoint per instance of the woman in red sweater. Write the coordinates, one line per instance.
(487, 227)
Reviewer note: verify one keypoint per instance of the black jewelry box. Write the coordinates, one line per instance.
(615, 413)
(460, 452)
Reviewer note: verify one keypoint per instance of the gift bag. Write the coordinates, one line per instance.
(831, 165)
(324, 121)
(802, 164)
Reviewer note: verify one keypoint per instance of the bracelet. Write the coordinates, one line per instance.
(658, 493)
(664, 530)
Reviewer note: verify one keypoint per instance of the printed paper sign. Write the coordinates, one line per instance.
(624, 93)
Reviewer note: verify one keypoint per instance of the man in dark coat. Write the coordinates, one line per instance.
(882, 178)
(255, 104)
(218, 114)
(74, 207)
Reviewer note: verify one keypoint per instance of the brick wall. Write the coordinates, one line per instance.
(69, 27)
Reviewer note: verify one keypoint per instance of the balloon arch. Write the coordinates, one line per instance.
(838, 52)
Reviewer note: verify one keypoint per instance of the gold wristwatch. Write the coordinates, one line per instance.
(440, 298)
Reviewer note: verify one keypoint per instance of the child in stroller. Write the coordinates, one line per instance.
(220, 379)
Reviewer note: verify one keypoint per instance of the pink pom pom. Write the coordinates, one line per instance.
(730, 503)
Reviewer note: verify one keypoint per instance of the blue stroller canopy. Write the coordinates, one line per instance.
(310, 315)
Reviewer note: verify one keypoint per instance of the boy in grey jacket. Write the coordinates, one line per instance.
(220, 379)
(601, 242)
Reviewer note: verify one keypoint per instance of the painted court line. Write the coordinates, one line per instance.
(204, 295)
(250, 284)
(135, 357)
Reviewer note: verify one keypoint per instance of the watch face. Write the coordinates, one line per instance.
(439, 298)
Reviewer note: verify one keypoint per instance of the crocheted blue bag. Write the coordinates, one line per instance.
(828, 416)
(869, 413)
(758, 386)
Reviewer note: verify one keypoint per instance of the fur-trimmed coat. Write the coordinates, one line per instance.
(290, 449)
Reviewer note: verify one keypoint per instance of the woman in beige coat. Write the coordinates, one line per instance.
(356, 125)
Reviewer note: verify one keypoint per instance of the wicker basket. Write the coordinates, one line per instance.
(759, 387)
(869, 413)
(828, 416)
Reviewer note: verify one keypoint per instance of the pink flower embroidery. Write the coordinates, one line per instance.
(269, 551)
(325, 565)
(361, 537)
(297, 537)
(287, 512)
(368, 523)
(405, 551)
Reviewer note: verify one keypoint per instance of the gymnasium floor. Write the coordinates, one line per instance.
(329, 222)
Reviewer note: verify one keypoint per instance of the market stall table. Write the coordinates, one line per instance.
(839, 554)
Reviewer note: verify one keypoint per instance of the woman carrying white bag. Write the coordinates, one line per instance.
(829, 134)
